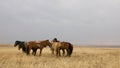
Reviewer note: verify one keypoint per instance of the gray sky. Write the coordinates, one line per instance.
(77, 21)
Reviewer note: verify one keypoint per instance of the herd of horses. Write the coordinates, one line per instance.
(54, 45)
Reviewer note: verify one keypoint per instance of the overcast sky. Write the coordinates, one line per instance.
(80, 22)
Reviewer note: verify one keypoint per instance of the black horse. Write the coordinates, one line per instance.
(22, 44)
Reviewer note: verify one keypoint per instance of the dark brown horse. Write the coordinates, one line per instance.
(57, 46)
(37, 45)
(68, 46)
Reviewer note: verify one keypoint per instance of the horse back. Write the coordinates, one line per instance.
(64, 45)
(56, 45)
(32, 44)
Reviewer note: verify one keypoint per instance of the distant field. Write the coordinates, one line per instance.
(6, 45)
(82, 57)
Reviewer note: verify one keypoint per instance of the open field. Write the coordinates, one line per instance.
(82, 57)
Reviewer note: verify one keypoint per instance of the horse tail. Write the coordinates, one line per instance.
(70, 48)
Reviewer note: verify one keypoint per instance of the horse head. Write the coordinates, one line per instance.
(55, 40)
(16, 43)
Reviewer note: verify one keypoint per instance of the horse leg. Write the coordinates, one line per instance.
(59, 52)
(63, 52)
(67, 52)
(35, 52)
(28, 51)
(40, 52)
(19, 47)
(24, 49)
(53, 51)
(56, 52)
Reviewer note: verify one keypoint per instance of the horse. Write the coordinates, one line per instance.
(57, 46)
(55, 40)
(68, 46)
(37, 45)
(22, 44)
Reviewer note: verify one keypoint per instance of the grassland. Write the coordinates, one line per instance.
(82, 57)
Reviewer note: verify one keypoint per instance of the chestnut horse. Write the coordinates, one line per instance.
(37, 45)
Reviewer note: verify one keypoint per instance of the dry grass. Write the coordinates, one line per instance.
(82, 57)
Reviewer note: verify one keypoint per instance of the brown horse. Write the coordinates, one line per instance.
(68, 46)
(55, 40)
(57, 46)
(37, 45)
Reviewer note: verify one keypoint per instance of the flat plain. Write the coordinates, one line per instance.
(82, 57)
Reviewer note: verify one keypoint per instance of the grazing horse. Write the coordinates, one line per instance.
(57, 46)
(21, 44)
(37, 45)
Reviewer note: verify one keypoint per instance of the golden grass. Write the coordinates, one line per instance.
(11, 57)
